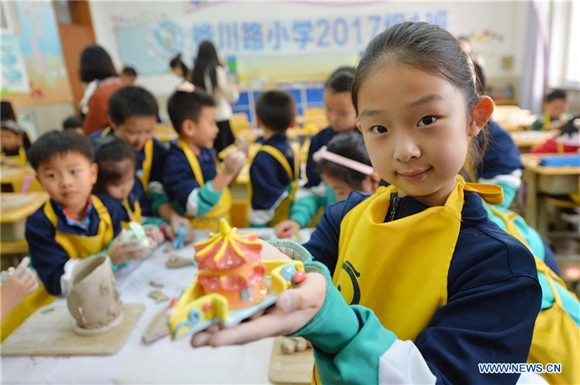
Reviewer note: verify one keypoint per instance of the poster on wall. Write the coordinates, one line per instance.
(260, 42)
(14, 76)
(42, 69)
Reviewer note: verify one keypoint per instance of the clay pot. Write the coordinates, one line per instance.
(94, 300)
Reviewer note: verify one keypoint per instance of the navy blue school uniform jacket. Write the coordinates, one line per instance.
(489, 270)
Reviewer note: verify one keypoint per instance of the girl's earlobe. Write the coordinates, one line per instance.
(358, 126)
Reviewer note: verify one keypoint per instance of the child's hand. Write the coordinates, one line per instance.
(17, 286)
(234, 161)
(154, 236)
(294, 309)
(286, 229)
(243, 145)
(173, 228)
(123, 251)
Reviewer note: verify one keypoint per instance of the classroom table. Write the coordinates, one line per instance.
(14, 209)
(546, 180)
(526, 140)
(14, 178)
(162, 362)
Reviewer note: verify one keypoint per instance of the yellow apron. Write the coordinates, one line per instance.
(409, 292)
(282, 212)
(146, 166)
(221, 209)
(134, 214)
(20, 158)
(76, 246)
(556, 335)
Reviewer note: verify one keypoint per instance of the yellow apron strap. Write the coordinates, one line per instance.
(193, 162)
(490, 193)
(22, 155)
(547, 122)
(105, 132)
(104, 217)
(510, 227)
(280, 158)
(135, 214)
(50, 214)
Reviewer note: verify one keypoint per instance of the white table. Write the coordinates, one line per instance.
(162, 362)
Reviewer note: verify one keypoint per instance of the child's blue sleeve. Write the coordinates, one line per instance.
(47, 256)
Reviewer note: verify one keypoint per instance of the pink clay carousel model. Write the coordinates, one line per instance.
(232, 282)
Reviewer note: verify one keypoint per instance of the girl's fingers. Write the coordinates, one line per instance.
(309, 294)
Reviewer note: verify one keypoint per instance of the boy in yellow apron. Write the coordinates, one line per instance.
(133, 113)
(425, 288)
(191, 175)
(73, 224)
(275, 169)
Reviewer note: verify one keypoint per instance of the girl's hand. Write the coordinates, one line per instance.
(154, 236)
(173, 228)
(123, 251)
(286, 229)
(293, 310)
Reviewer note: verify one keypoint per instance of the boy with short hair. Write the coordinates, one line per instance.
(128, 76)
(191, 174)
(73, 224)
(73, 123)
(554, 115)
(275, 169)
(133, 115)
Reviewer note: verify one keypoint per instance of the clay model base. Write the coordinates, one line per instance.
(97, 331)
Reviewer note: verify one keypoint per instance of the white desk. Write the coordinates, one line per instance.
(162, 362)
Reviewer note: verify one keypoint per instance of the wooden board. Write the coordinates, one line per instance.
(293, 368)
(49, 333)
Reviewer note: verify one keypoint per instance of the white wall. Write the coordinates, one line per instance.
(505, 19)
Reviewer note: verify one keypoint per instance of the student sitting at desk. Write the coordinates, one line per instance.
(116, 178)
(554, 112)
(193, 179)
(73, 224)
(276, 168)
(133, 114)
(12, 138)
(341, 115)
(567, 141)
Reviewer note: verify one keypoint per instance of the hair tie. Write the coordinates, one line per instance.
(323, 153)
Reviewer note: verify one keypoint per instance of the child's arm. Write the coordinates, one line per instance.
(307, 202)
(47, 256)
(471, 328)
(17, 286)
(267, 189)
